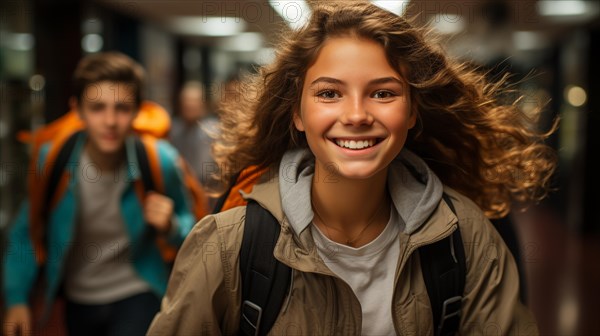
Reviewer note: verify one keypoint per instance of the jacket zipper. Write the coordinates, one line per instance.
(330, 286)
(407, 253)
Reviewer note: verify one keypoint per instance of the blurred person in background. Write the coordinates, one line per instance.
(100, 243)
(192, 132)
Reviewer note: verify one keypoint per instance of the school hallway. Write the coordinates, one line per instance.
(548, 47)
(562, 272)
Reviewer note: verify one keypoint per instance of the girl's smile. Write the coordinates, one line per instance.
(355, 108)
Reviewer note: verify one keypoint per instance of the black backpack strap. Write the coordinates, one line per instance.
(144, 165)
(444, 271)
(58, 167)
(147, 180)
(265, 280)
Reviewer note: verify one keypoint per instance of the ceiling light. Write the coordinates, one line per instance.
(561, 7)
(394, 6)
(295, 12)
(37, 82)
(242, 42)
(18, 41)
(575, 95)
(568, 8)
(208, 26)
(92, 43)
(530, 40)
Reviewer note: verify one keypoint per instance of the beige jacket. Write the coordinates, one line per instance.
(204, 292)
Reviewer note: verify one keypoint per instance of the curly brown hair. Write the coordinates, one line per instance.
(489, 151)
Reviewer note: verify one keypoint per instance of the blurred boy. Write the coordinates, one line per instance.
(99, 233)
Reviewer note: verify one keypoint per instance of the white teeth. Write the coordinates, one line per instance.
(354, 144)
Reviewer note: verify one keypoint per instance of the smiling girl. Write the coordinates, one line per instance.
(365, 130)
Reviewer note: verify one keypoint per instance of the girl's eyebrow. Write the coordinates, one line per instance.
(385, 80)
(326, 80)
(382, 80)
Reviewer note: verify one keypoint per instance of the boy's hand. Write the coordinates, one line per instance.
(17, 321)
(158, 210)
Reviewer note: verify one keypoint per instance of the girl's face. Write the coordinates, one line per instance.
(355, 109)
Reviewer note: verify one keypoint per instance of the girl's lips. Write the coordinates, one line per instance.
(356, 145)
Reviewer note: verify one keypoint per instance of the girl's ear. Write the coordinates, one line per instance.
(414, 110)
(412, 121)
(298, 121)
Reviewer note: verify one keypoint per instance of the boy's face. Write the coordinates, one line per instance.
(108, 110)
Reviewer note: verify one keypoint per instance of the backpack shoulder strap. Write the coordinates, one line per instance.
(41, 201)
(150, 172)
(57, 170)
(444, 272)
(144, 165)
(265, 280)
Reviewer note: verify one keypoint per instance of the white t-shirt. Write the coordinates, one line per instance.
(99, 269)
(369, 270)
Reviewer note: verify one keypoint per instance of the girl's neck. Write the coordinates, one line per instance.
(348, 205)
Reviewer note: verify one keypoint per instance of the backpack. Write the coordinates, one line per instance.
(46, 188)
(266, 281)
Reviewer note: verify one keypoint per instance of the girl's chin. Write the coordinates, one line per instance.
(354, 172)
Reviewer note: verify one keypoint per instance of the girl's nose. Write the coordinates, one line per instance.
(356, 114)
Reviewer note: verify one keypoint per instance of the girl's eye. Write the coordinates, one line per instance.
(383, 94)
(328, 94)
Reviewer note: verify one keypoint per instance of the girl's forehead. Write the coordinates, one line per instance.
(351, 57)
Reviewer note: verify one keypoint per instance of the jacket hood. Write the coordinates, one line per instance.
(414, 188)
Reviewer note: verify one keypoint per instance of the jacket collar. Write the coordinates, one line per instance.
(414, 188)
(299, 251)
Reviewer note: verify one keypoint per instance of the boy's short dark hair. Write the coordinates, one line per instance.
(108, 66)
